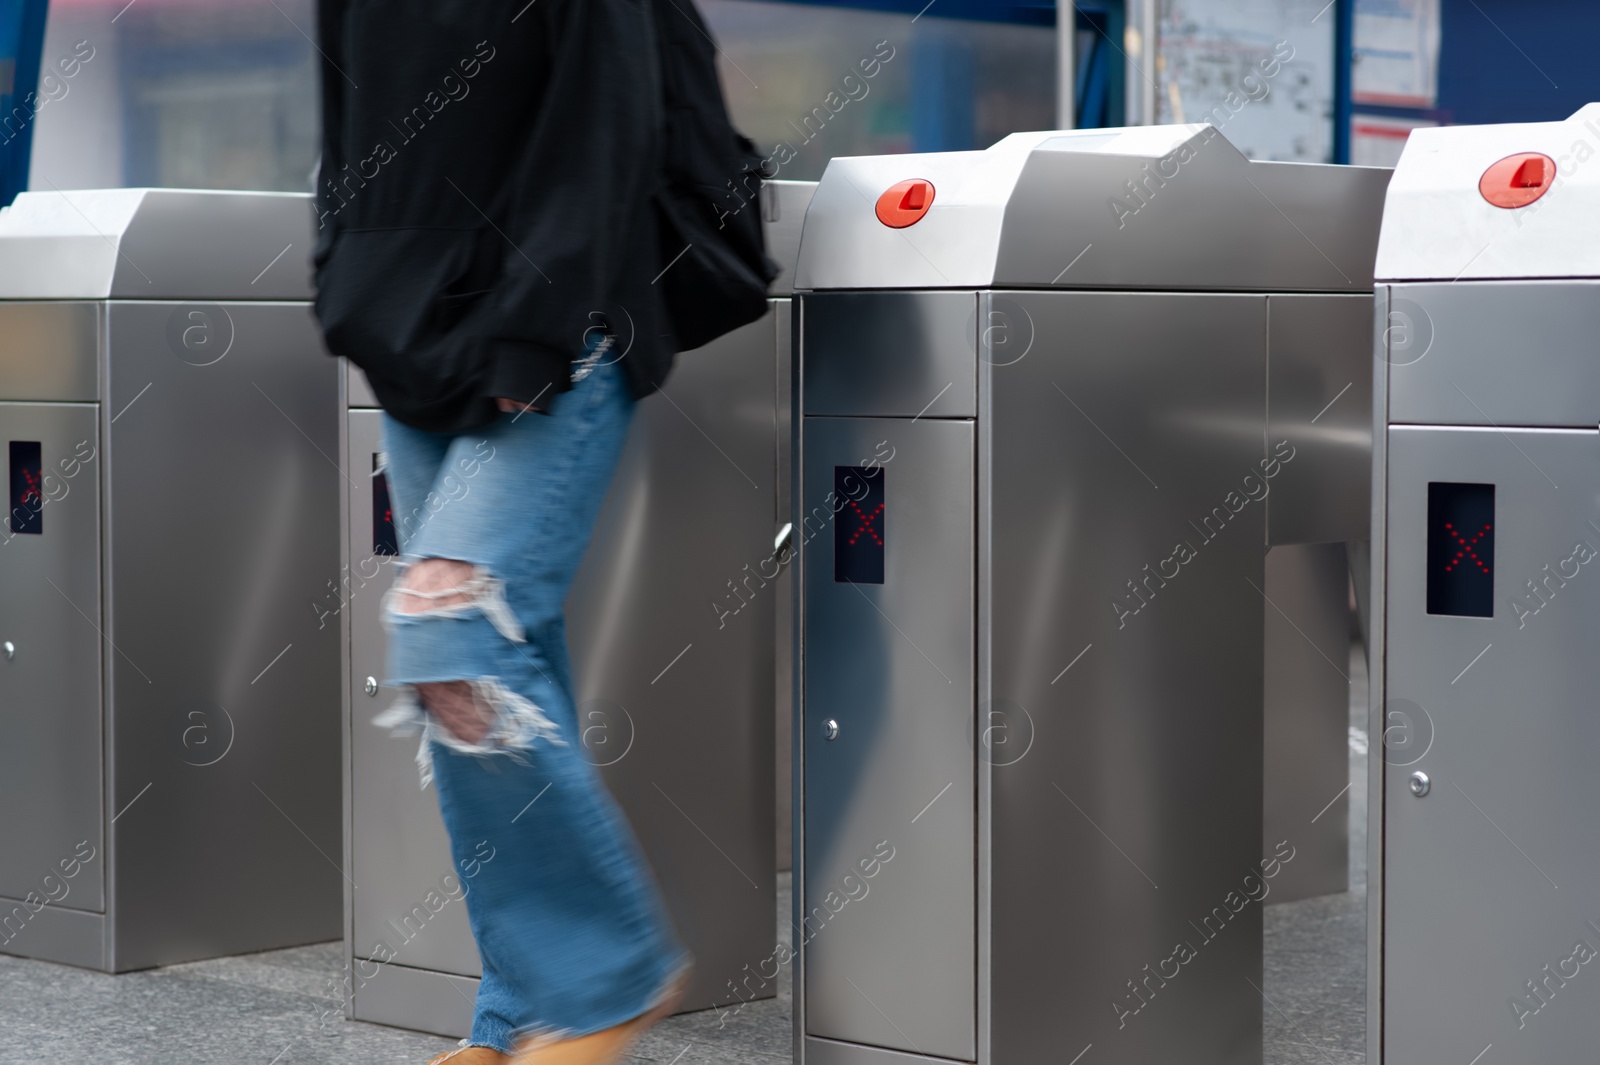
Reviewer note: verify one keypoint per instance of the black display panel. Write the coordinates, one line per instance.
(384, 540)
(26, 508)
(858, 529)
(1461, 549)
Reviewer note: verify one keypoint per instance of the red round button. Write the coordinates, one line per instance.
(903, 204)
(1518, 180)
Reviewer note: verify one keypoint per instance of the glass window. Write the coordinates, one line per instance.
(179, 93)
(807, 82)
(197, 94)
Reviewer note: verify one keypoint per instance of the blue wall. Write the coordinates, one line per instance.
(1541, 63)
(21, 41)
(1507, 61)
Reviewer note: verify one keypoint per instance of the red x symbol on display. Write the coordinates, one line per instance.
(864, 523)
(1466, 547)
(31, 496)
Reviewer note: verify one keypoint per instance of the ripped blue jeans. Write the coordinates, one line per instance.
(571, 931)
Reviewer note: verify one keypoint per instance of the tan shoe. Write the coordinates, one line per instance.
(471, 1056)
(611, 1046)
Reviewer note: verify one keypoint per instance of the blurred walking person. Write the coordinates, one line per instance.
(487, 244)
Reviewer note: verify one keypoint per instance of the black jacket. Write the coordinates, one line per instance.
(483, 200)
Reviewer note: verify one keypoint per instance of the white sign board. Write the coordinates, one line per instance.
(1395, 53)
(1262, 71)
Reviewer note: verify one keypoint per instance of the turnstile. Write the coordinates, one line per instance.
(1485, 531)
(671, 625)
(169, 714)
(1055, 399)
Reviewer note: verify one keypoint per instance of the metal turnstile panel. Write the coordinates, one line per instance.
(783, 595)
(892, 354)
(1492, 877)
(1319, 395)
(222, 492)
(1493, 353)
(50, 701)
(889, 957)
(399, 850)
(50, 350)
(1124, 717)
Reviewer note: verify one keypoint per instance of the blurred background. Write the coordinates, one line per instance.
(222, 93)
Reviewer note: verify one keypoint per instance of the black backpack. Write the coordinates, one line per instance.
(714, 265)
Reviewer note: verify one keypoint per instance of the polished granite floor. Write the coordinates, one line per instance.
(262, 1009)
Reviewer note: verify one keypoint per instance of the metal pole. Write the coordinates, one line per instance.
(1152, 51)
(1066, 64)
(1142, 48)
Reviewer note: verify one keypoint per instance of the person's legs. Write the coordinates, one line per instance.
(570, 930)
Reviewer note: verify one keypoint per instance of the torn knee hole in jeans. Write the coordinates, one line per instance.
(509, 722)
(477, 591)
(473, 715)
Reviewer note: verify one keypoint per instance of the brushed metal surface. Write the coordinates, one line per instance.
(1205, 217)
(157, 244)
(894, 664)
(833, 1052)
(58, 934)
(1437, 225)
(1358, 557)
(1495, 875)
(672, 637)
(422, 1000)
(347, 495)
(50, 351)
(784, 212)
(1306, 696)
(222, 515)
(1377, 672)
(1150, 208)
(1133, 757)
(797, 571)
(1319, 397)
(988, 725)
(1494, 353)
(399, 849)
(50, 703)
(358, 393)
(783, 595)
(890, 354)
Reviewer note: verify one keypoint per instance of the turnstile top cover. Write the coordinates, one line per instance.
(1149, 207)
(156, 244)
(1441, 222)
(782, 212)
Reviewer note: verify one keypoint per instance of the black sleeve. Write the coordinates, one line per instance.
(330, 42)
(580, 192)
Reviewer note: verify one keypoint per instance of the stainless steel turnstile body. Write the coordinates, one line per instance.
(1484, 799)
(1047, 433)
(169, 729)
(671, 627)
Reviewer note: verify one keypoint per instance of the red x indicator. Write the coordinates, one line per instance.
(31, 496)
(1465, 547)
(864, 523)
